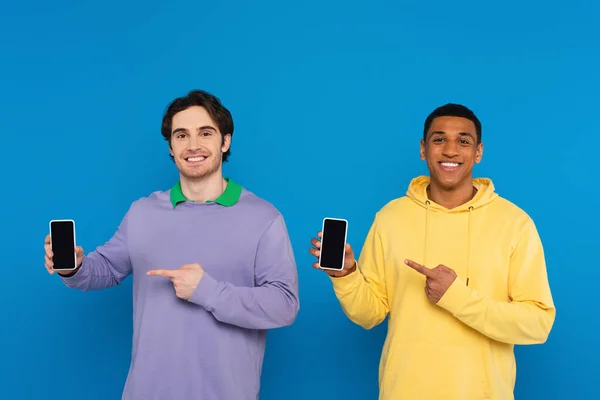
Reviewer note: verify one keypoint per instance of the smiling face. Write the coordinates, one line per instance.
(451, 149)
(196, 144)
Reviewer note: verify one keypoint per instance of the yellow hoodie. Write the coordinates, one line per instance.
(462, 347)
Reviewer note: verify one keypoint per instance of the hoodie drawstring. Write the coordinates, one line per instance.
(426, 232)
(427, 211)
(469, 243)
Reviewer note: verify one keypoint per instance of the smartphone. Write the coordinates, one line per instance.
(62, 241)
(333, 244)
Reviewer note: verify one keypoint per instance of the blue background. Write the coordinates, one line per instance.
(328, 100)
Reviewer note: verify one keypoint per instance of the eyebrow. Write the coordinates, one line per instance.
(460, 134)
(202, 128)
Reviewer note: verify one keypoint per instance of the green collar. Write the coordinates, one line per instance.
(228, 198)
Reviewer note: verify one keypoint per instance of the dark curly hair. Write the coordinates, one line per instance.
(453, 110)
(210, 103)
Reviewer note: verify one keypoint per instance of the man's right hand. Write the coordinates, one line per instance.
(349, 262)
(49, 254)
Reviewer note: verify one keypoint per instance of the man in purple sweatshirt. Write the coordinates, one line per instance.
(212, 265)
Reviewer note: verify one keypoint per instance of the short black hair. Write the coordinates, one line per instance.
(453, 110)
(210, 103)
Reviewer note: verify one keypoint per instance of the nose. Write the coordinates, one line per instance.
(450, 149)
(193, 144)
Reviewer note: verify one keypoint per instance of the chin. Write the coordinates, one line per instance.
(447, 184)
(197, 173)
(194, 173)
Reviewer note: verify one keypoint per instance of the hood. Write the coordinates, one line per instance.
(417, 192)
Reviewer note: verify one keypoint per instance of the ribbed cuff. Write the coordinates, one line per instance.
(348, 283)
(455, 297)
(206, 292)
(80, 274)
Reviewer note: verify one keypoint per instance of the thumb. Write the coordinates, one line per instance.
(349, 252)
(444, 269)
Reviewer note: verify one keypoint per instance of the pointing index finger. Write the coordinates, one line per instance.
(163, 272)
(418, 267)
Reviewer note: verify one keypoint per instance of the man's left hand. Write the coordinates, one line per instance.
(185, 279)
(438, 280)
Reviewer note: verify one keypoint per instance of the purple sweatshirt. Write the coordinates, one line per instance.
(212, 346)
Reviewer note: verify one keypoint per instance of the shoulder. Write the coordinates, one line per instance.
(517, 225)
(155, 200)
(258, 207)
(397, 205)
(262, 216)
(512, 214)
(395, 208)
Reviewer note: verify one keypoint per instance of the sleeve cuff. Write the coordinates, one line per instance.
(348, 283)
(206, 292)
(455, 297)
(79, 275)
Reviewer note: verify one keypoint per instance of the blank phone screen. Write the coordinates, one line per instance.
(332, 244)
(63, 244)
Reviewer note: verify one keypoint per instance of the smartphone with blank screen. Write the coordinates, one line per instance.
(333, 244)
(62, 242)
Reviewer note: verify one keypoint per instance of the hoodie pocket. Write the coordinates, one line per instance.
(427, 371)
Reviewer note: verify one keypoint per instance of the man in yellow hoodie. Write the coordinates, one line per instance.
(458, 270)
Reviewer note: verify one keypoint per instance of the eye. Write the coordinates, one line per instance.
(465, 142)
(438, 140)
(206, 133)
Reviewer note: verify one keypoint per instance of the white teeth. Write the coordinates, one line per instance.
(447, 164)
(195, 159)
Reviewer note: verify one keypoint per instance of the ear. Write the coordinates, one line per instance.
(422, 149)
(171, 150)
(479, 153)
(226, 142)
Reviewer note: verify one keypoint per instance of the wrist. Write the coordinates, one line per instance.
(344, 272)
(353, 268)
(68, 274)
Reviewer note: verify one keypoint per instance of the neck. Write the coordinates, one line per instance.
(204, 189)
(451, 198)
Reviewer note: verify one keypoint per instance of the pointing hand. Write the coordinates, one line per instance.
(438, 279)
(185, 279)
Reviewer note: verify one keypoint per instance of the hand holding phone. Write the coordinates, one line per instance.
(62, 252)
(335, 256)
